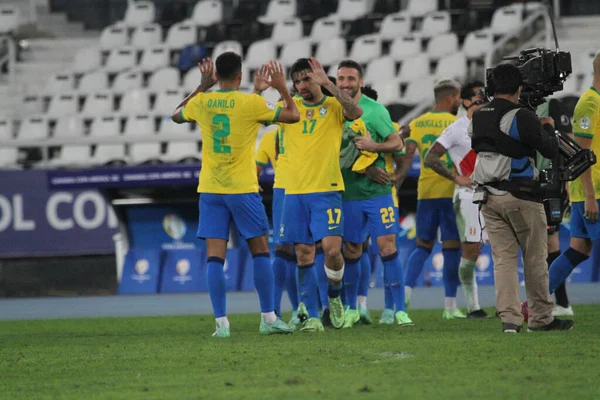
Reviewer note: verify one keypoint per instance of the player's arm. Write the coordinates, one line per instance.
(433, 160)
(351, 108)
(394, 141)
(405, 162)
(272, 75)
(584, 132)
(208, 80)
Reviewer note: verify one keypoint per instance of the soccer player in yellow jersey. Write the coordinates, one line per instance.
(229, 122)
(434, 195)
(584, 192)
(313, 202)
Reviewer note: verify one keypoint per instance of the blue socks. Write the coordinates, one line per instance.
(291, 283)
(392, 275)
(279, 273)
(365, 274)
(352, 273)
(215, 277)
(450, 276)
(416, 263)
(562, 267)
(263, 282)
(307, 280)
(322, 281)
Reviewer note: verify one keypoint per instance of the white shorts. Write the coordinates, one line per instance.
(468, 216)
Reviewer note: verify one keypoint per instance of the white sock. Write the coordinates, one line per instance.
(362, 301)
(466, 272)
(450, 304)
(269, 317)
(475, 299)
(408, 292)
(222, 321)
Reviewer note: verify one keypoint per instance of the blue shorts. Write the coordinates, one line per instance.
(581, 227)
(277, 213)
(377, 217)
(217, 211)
(308, 218)
(433, 214)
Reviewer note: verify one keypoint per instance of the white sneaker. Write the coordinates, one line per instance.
(560, 311)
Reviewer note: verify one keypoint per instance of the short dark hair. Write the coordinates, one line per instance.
(369, 92)
(444, 88)
(228, 65)
(468, 91)
(506, 79)
(351, 64)
(327, 92)
(300, 65)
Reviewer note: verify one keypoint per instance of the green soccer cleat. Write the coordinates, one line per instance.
(351, 318)
(387, 317)
(295, 320)
(222, 332)
(365, 316)
(312, 325)
(457, 314)
(276, 328)
(403, 319)
(302, 312)
(336, 312)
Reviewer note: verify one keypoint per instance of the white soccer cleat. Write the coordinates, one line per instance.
(560, 311)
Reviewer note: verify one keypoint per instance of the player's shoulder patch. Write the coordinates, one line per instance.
(584, 122)
(269, 105)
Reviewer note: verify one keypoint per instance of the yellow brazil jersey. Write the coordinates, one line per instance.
(390, 169)
(229, 122)
(267, 152)
(312, 147)
(424, 131)
(586, 124)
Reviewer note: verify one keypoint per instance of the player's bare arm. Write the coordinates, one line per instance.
(351, 108)
(289, 113)
(433, 160)
(392, 144)
(208, 80)
(590, 204)
(259, 169)
(404, 166)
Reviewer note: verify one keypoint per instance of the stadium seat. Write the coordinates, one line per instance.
(178, 151)
(31, 104)
(442, 45)
(278, 10)
(388, 92)
(452, 66)
(332, 70)
(6, 129)
(69, 126)
(271, 95)
(478, 44)
(127, 80)
(93, 82)
(153, 59)
(191, 80)
(163, 79)
(120, 60)
(34, 128)
(325, 28)
(506, 19)
(435, 23)
(113, 37)
(10, 18)
(572, 87)
(350, 10)
(228, 45)
(60, 83)
(9, 156)
(260, 52)
(418, 90)
(394, 25)
(86, 59)
(287, 31)
(138, 13)
(405, 47)
(147, 36)
(72, 155)
(413, 68)
(180, 35)
(140, 153)
(135, 102)
(107, 126)
(166, 101)
(170, 128)
(331, 51)
(107, 153)
(582, 64)
(139, 125)
(293, 50)
(418, 8)
(380, 69)
(366, 48)
(207, 12)
(63, 104)
(98, 104)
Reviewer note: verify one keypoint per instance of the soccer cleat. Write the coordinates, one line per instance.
(403, 319)
(387, 317)
(456, 314)
(312, 325)
(276, 328)
(326, 319)
(525, 311)
(555, 325)
(336, 312)
(365, 316)
(478, 314)
(222, 332)
(351, 318)
(302, 312)
(510, 328)
(295, 320)
(560, 311)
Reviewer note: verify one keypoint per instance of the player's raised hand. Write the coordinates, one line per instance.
(318, 74)
(207, 69)
(277, 76)
(261, 79)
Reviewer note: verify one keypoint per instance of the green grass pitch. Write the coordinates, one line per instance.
(175, 358)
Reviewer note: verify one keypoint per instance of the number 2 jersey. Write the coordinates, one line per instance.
(424, 131)
(229, 123)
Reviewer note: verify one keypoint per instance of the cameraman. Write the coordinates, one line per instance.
(505, 137)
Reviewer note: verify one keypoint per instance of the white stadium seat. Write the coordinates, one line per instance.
(394, 25)
(207, 12)
(153, 59)
(191, 80)
(121, 59)
(271, 95)
(506, 19)
(147, 36)
(34, 128)
(293, 50)
(140, 153)
(228, 45)
(10, 17)
(365, 48)
(418, 91)
(6, 129)
(278, 10)
(413, 68)
(60, 83)
(331, 51)
(93, 82)
(98, 104)
(68, 126)
(135, 102)
(32, 104)
(381, 69)
(180, 35)
(326, 28)
(435, 23)
(478, 44)
(112, 37)
(127, 80)
(87, 59)
(138, 13)
(106, 153)
(163, 79)
(63, 104)
(418, 8)
(166, 101)
(177, 151)
(107, 126)
(167, 127)
(350, 10)
(453, 66)
(442, 45)
(72, 155)
(286, 31)
(139, 125)
(405, 47)
(387, 91)
(571, 86)
(259, 52)
(9, 157)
